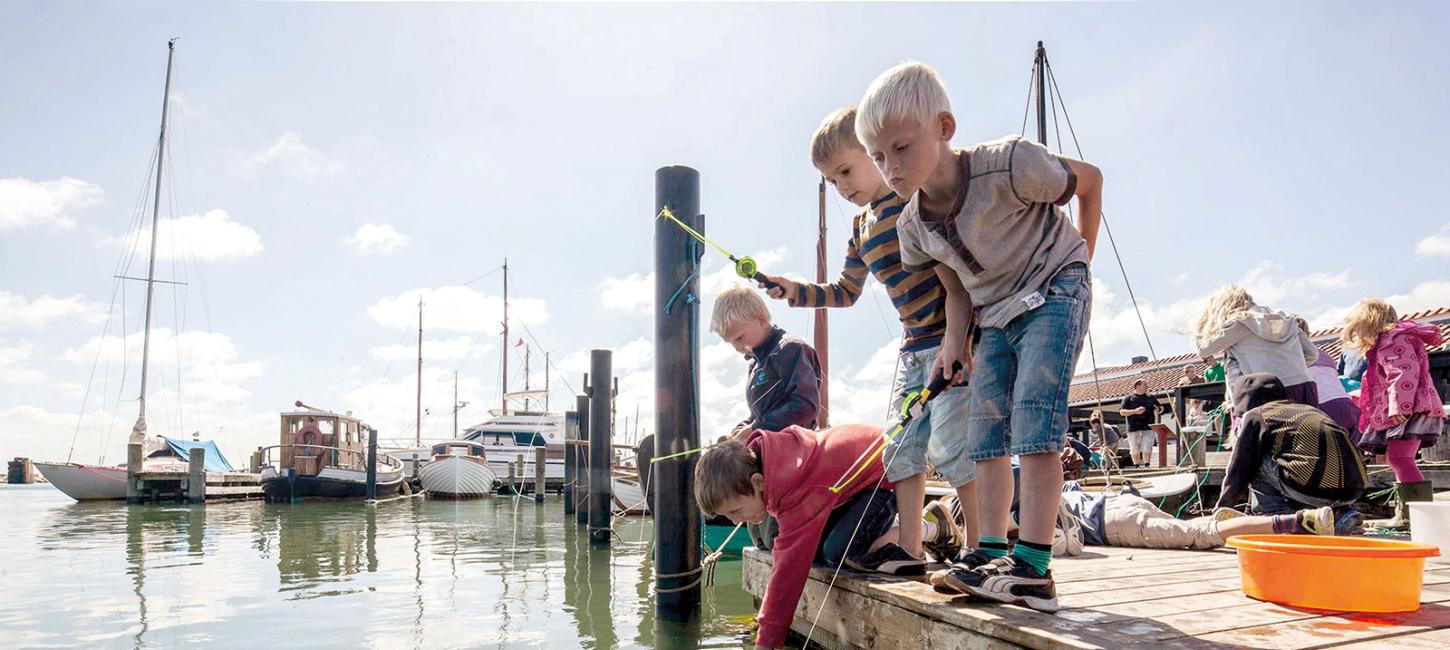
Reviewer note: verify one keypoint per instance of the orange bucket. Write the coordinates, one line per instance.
(1350, 574)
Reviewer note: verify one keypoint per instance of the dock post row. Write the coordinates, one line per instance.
(677, 395)
(581, 460)
(601, 401)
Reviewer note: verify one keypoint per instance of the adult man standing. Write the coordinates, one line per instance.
(1141, 411)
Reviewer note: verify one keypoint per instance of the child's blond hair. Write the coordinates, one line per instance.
(735, 305)
(1228, 304)
(836, 132)
(912, 90)
(1366, 320)
(724, 471)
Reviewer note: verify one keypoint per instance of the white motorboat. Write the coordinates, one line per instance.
(458, 470)
(507, 437)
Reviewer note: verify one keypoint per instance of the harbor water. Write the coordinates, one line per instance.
(497, 572)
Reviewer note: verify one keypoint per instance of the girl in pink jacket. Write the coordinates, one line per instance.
(1400, 410)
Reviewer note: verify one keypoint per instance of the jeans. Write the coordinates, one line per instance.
(939, 433)
(854, 524)
(1268, 495)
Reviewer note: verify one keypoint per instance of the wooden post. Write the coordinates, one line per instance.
(372, 464)
(571, 433)
(1178, 415)
(601, 407)
(135, 460)
(539, 476)
(196, 475)
(677, 395)
(581, 460)
(512, 485)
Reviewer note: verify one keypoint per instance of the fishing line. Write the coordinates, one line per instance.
(745, 267)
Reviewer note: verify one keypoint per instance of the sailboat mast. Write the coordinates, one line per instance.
(138, 432)
(504, 351)
(823, 419)
(455, 404)
(546, 382)
(418, 426)
(1039, 70)
(526, 378)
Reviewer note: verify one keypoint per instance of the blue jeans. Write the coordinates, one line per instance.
(939, 433)
(854, 524)
(1023, 370)
(1269, 496)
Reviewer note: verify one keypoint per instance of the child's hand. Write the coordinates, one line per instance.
(782, 288)
(1397, 420)
(949, 356)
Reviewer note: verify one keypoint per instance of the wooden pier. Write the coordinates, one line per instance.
(1112, 598)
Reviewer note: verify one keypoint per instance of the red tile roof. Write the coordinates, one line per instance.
(1115, 382)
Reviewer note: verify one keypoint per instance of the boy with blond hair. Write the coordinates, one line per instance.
(987, 220)
(939, 432)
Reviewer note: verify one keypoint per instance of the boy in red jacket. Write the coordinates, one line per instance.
(789, 474)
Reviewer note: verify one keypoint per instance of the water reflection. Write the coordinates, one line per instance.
(492, 573)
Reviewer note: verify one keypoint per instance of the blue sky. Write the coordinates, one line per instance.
(332, 162)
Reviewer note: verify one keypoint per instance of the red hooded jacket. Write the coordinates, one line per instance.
(800, 466)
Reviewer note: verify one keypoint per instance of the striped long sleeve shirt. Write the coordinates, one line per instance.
(874, 249)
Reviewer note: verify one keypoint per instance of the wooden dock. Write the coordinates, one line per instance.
(1112, 598)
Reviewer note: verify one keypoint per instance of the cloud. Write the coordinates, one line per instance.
(377, 237)
(1437, 243)
(36, 204)
(12, 370)
(211, 236)
(455, 349)
(457, 308)
(1426, 295)
(633, 293)
(292, 157)
(388, 404)
(17, 311)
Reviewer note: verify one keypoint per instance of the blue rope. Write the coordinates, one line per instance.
(689, 298)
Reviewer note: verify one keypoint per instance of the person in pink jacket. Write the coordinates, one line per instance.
(1399, 409)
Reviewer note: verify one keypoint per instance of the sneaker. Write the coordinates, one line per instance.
(1225, 514)
(1349, 522)
(889, 559)
(1319, 521)
(947, 542)
(1067, 537)
(1007, 580)
(965, 560)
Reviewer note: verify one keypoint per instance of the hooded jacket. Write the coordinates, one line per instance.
(1313, 455)
(1397, 379)
(1264, 340)
(784, 384)
(800, 466)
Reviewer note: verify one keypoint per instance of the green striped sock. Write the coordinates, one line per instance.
(1037, 555)
(992, 547)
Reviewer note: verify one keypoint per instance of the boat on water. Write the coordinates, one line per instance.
(509, 436)
(626, 494)
(324, 454)
(84, 482)
(458, 470)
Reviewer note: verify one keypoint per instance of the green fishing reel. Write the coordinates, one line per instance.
(746, 267)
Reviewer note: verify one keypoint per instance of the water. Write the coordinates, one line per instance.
(488, 573)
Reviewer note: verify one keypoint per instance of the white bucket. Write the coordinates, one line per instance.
(1430, 524)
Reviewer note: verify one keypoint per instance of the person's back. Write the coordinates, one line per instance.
(1252, 338)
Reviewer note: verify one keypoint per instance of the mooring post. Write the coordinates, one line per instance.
(539, 476)
(571, 433)
(601, 407)
(677, 395)
(135, 462)
(372, 464)
(581, 460)
(196, 475)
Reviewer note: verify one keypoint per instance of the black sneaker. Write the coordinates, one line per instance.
(889, 559)
(965, 560)
(947, 543)
(1008, 580)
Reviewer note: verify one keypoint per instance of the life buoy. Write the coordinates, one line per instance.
(309, 431)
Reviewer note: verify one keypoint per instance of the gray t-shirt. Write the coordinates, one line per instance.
(1006, 236)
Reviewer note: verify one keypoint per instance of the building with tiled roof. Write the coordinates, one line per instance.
(1110, 385)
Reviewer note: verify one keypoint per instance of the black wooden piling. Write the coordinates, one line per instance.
(540, 475)
(601, 401)
(581, 460)
(372, 464)
(571, 433)
(677, 395)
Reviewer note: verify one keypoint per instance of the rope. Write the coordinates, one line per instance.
(690, 298)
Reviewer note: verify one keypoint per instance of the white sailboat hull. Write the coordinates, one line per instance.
(458, 477)
(628, 497)
(96, 482)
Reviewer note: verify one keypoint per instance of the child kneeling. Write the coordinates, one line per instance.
(789, 474)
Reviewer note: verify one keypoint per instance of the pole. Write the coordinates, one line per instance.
(581, 460)
(571, 433)
(601, 406)
(196, 475)
(1039, 70)
(504, 399)
(823, 417)
(418, 426)
(372, 464)
(539, 476)
(455, 404)
(546, 382)
(677, 395)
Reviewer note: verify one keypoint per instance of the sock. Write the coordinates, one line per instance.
(928, 529)
(1288, 524)
(992, 546)
(1037, 555)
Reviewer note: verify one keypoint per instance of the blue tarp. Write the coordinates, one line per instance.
(215, 461)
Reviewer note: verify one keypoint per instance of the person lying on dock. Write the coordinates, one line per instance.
(939, 433)
(783, 384)
(789, 474)
(1290, 456)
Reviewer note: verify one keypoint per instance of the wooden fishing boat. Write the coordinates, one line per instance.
(324, 454)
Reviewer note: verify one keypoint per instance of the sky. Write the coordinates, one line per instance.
(331, 163)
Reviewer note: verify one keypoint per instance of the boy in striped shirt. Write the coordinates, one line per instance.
(939, 433)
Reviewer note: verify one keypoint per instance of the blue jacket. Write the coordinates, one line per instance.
(784, 385)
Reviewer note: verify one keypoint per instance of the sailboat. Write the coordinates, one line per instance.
(85, 482)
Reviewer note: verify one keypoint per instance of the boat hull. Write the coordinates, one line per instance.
(97, 482)
(330, 483)
(628, 498)
(458, 478)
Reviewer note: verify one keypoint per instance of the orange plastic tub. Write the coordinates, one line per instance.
(1350, 574)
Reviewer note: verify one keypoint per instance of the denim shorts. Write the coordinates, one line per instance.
(938, 434)
(1022, 372)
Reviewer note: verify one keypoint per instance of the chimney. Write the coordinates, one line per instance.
(1137, 360)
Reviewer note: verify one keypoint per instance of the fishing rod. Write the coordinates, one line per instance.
(911, 407)
(745, 267)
